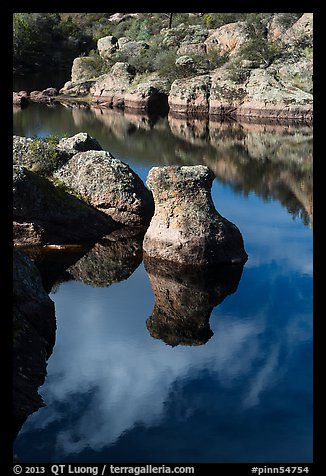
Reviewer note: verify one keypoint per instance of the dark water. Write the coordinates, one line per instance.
(118, 388)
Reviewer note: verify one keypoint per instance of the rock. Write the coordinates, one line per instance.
(20, 99)
(122, 41)
(109, 185)
(38, 96)
(83, 69)
(50, 92)
(190, 95)
(186, 228)
(198, 49)
(107, 46)
(265, 96)
(185, 298)
(300, 30)
(111, 87)
(77, 88)
(80, 142)
(297, 74)
(183, 34)
(228, 38)
(44, 213)
(45, 157)
(34, 336)
(150, 95)
(40, 156)
(276, 27)
(133, 48)
(111, 260)
(261, 95)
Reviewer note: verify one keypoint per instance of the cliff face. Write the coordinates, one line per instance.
(265, 77)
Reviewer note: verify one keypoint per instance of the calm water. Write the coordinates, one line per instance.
(116, 390)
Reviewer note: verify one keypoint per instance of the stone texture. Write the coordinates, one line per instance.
(190, 96)
(109, 185)
(34, 336)
(44, 213)
(300, 29)
(228, 38)
(77, 88)
(83, 69)
(133, 48)
(107, 46)
(183, 34)
(186, 228)
(192, 49)
(112, 86)
(80, 142)
(20, 99)
(185, 298)
(43, 157)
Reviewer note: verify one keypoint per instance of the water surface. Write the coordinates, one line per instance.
(118, 389)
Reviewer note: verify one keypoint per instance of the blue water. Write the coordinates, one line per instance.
(113, 393)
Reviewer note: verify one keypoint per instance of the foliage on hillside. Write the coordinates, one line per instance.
(48, 40)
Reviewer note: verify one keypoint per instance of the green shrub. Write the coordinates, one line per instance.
(45, 156)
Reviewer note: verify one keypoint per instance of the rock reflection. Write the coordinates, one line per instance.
(184, 299)
(114, 258)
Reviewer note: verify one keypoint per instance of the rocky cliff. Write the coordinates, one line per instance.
(267, 76)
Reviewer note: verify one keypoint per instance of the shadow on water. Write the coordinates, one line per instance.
(184, 299)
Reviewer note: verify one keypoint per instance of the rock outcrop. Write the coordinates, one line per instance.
(20, 99)
(186, 228)
(34, 337)
(227, 39)
(109, 185)
(44, 213)
(45, 156)
(185, 298)
(261, 95)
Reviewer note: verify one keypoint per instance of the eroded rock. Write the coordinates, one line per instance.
(109, 185)
(186, 228)
(44, 213)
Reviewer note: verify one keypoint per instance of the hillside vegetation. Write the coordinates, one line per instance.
(51, 40)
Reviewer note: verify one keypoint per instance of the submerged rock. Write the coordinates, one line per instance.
(186, 228)
(185, 298)
(109, 185)
(34, 337)
(44, 213)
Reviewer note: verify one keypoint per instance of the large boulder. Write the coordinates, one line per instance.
(80, 142)
(44, 213)
(260, 95)
(20, 99)
(186, 228)
(228, 38)
(300, 30)
(149, 95)
(107, 45)
(268, 97)
(109, 185)
(34, 336)
(110, 88)
(133, 48)
(190, 95)
(184, 299)
(183, 34)
(77, 88)
(83, 69)
(45, 156)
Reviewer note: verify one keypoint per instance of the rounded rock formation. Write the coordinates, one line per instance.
(186, 228)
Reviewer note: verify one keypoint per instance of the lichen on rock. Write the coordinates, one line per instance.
(186, 228)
